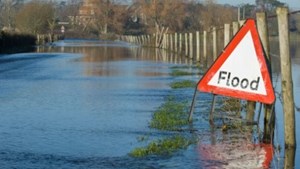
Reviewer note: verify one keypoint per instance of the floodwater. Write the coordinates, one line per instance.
(85, 104)
(82, 104)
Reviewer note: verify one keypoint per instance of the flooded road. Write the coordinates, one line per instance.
(84, 108)
(85, 104)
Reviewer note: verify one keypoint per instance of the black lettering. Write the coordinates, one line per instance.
(228, 79)
(244, 83)
(221, 77)
(235, 81)
(254, 84)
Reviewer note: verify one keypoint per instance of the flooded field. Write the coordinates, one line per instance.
(88, 104)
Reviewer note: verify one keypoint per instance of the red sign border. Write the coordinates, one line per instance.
(203, 85)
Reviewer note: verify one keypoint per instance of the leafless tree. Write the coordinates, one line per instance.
(35, 16)
(8, 9)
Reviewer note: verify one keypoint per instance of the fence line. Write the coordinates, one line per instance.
(189, 46)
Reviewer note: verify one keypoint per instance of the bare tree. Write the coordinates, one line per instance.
(8, 9)
(214, 14)
(104, 12)
(163, 13)
(105, 16)
(34, 17)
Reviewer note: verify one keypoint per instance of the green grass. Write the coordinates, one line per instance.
(164, 147)
(183, 84)
(176, 72)
(170, 116)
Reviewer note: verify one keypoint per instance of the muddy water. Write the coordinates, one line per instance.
(85, 104)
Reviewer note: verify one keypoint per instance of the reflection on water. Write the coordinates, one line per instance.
(101, 55)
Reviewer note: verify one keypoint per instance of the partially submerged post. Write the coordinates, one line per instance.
(286, 77)
(269, 120)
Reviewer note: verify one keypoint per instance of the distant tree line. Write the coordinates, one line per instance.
(116, 17)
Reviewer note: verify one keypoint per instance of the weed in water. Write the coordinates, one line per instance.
(170, 116)
(183, 84)
(176, 72)
(162, 147)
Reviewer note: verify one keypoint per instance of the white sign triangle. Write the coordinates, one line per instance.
(241, 70)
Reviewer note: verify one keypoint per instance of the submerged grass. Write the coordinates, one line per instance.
(183, 84)
(176, 72)
(164, 147)
(170, 116)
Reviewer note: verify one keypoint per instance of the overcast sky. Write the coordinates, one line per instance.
(293, 4)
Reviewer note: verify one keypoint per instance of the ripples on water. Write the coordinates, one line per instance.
(82, 104)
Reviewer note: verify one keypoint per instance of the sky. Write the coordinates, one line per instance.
(293, 4)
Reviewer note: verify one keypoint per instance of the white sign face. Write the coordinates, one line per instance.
(242, 70)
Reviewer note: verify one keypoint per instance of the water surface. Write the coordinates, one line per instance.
(85, 103)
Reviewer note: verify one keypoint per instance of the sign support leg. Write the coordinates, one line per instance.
(192, 106)
(211, 116)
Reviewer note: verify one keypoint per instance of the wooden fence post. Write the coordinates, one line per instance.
(176, 42)
(250, 107)
(215, 43)
(226, 34)
(191, 45)
(235, 27)
(197, 46)
(205, 46)
(186, 44)
(167, 41)
(289, 158)
(164, 41)
(149, 40)
(180, 43)
(286, 78)
(171, 42)
(269, 119)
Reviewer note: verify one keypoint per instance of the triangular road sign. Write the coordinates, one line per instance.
(241, 70)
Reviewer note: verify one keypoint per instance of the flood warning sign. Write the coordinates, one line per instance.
(241, 70)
